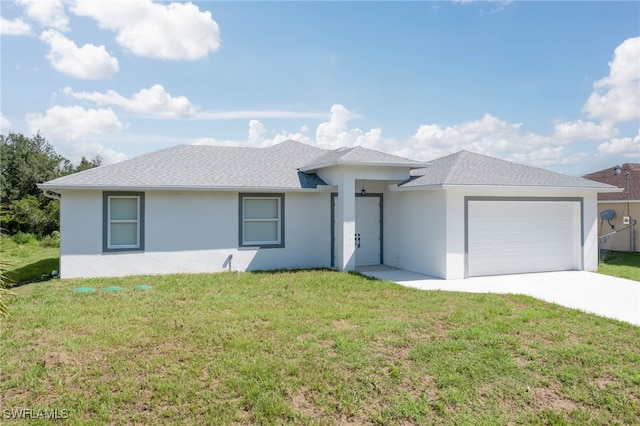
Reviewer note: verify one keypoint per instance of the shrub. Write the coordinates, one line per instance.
(52, 240)
(23, 239)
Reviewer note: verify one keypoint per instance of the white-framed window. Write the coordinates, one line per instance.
(123, 227)
(261, 220)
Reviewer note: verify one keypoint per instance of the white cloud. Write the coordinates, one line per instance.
(154, 101)
(74, 122)
(256, 131)
(89, 62)
(253, 114)
(255, 137)
(92, 149)
(336, 133)
(14, 27)
(164, 31)
(488, 135)
(617, 97)
(48, 13)
(5, 124)
(626, 147)
(585, 130)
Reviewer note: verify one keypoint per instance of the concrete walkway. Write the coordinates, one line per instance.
(603, 295)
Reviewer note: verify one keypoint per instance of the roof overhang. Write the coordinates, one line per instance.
(57, 189)
(618, 201)
(398, 187)
(407, 165)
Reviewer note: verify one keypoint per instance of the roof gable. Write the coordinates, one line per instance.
(470, 169)
(359, 156)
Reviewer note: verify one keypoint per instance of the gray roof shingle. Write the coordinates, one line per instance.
(469, 169)
(204, 166)
(278, 167)
(360, 155)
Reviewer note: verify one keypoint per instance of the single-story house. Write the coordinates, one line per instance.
(197, 208)
(618, 212)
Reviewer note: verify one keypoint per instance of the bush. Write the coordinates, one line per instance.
(52, 240)
(23, 239)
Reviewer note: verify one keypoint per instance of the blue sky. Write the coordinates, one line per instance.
(550, 84)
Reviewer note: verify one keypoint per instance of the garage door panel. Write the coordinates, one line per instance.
(507, 237)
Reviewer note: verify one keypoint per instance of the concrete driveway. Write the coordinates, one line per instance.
(602, 295)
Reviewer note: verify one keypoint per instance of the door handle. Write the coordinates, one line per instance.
(357, 240)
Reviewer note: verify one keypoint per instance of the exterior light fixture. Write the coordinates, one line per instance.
(363, 192)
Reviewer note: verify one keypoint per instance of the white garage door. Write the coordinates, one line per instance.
(510, 237)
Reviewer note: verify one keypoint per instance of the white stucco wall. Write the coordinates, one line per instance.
(415, 231)
(190, 232)
(590, 256)
(424, 229)
(195, 231)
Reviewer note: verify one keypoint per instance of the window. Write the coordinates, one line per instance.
(261, 220)
(123, 221)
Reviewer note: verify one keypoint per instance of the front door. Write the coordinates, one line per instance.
(368, 237)
(368, 230)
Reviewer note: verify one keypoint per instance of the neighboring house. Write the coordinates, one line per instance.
(207, 208)
(620, 232)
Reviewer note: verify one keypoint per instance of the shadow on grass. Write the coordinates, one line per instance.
(293, 271)
(33, 271)
(622, 258)
(290, 271)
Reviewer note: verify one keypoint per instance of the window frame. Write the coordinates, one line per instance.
(107, 247)
(280, 220)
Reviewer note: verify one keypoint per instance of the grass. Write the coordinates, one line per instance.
(311, 347)
(28, 260)
(621, 264)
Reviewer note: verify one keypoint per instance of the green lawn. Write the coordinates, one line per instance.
(29, 260)
(621, 264)
(311, 347)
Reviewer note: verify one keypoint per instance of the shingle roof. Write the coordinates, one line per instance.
(278, 167)
(359, 155)
(609, 176)
(470, 169)
(204, 166)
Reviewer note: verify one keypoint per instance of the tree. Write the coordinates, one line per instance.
(28, 217)
(25, 162)
(86, 164)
